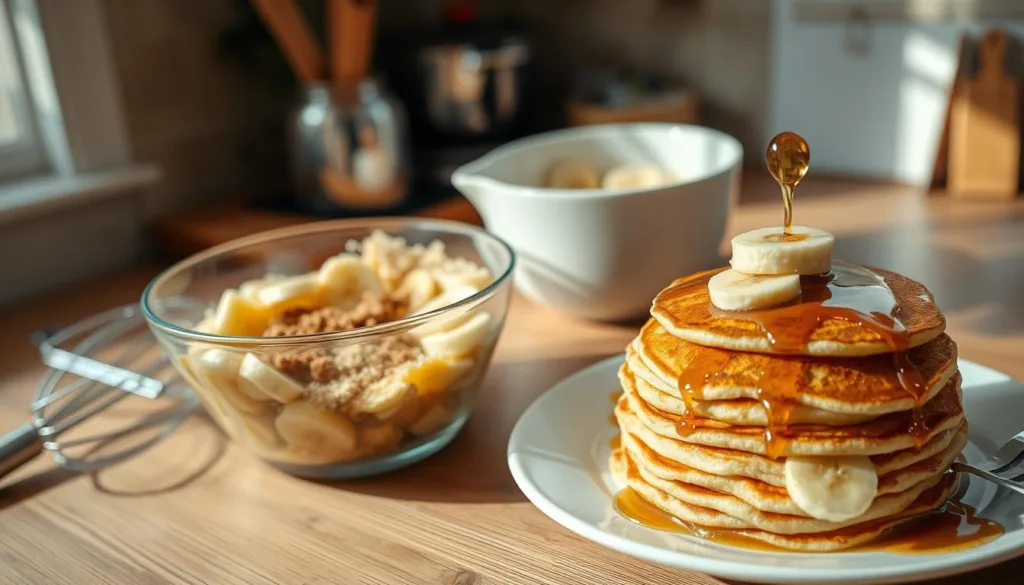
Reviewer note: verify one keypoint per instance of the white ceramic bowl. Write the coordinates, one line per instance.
(604, 253)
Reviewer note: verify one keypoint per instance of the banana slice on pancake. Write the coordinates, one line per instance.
(732, 290)
(831, 488)
(802, 250)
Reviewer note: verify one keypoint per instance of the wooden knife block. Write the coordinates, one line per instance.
(985, 133)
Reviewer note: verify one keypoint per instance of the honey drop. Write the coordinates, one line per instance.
(788, 157)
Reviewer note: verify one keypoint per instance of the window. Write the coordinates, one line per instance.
(21, 150)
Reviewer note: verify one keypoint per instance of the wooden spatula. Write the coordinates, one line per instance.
(294, 36)
(985, 127)
(351, 27)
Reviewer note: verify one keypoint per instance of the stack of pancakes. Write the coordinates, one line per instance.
(743, 452)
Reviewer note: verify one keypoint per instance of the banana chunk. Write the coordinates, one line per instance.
(251, 288)
(404, 413)
(222, 367)
(572, 174)
(256, 431)
(215, 374)
(213, 403)
(459, 341)
(220, 362)
(635, 176)
(239, 317)
(449, 321)
(311, 430)
(831, 488)
(768, 251)
(460, 272)
(418, 286)
(380, 396)
(378, 437)
(289, 292)
(345, 278)
(433, 420)
(732, 290)
(259, 379)
(438, 375)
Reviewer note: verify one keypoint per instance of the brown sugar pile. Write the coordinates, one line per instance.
(372, 310)
(335, 375)
(358, 369)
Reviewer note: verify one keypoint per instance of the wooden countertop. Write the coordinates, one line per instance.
(197, 509)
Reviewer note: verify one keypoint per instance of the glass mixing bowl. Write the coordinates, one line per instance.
(318, 402)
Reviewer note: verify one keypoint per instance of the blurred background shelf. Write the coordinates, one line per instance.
(183, 234)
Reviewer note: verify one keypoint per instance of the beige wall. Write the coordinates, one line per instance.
(211, 128)
(720, 47)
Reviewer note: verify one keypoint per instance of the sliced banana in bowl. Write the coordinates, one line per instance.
(316, 431)
(259, 379)
(301, 392)
(572, 174)
(636, 176)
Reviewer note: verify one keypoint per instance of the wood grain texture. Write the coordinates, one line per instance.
(197, 509)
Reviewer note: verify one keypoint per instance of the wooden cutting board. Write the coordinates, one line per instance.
(984, 150)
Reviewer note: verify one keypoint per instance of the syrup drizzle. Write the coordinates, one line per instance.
(788, 159)
(954, 527)
(851, 293)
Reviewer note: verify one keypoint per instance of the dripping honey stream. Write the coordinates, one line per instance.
(788, 158)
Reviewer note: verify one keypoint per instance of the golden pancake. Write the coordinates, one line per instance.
(861, 386)
(741, 464)
(685, 310)
(740, 411)
(885, 434)
(699, 517)
(771, 498)
(737, 514)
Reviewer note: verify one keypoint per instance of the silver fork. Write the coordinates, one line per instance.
(1005, 468)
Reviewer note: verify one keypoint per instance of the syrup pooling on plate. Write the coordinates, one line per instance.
(630, 505)
(953, 528)
(849, 292)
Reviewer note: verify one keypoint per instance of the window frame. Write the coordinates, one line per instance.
(27, 155)
(76, 96)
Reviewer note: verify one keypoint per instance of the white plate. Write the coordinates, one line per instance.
(558, 454)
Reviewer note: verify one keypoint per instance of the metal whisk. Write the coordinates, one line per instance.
(108, 358)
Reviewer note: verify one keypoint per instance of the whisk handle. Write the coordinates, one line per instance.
(19, 447)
